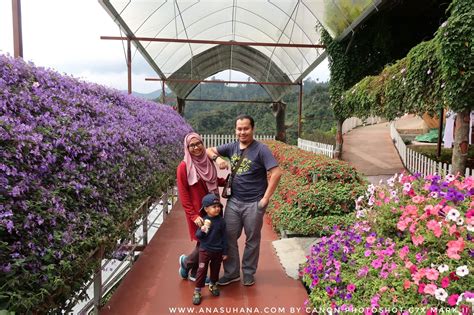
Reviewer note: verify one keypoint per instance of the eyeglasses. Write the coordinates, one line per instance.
(195, 145)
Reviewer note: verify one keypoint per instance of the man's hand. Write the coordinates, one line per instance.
(222, 163)
(224, 257)
(263, 202)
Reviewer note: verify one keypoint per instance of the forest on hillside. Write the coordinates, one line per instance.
(218, 117)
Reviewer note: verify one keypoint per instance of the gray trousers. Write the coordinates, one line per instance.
(240, 215)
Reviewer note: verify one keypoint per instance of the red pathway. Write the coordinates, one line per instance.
(153, 286)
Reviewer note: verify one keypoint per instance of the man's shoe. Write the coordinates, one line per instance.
(214, 289)
(197, 298)
(225, 280)
(183, 271)
(249, 280)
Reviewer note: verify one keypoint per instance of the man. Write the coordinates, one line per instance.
(254, 183)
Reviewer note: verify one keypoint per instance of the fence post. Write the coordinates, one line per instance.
(145, 209)
(98, 280)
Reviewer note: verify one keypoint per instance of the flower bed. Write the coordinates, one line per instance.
(315, 192)
(411, 251)
(76, 159)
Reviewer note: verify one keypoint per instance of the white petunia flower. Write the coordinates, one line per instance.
(460, 221)
(393, 193)
(450, 178)
(453, 215)
(441, 294)
(443, 268)
(470, 227)
(433, 194)
(406, 187)
(35, 84)
(462, 271)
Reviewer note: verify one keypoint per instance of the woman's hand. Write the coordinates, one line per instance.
(199, 221)
(224, 257)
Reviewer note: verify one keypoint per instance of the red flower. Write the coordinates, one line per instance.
(432, 311)
(452, 276)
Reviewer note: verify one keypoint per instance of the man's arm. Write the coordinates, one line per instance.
(216, 157)
(274, 175)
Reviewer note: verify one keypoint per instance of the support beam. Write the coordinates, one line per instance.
(129, 66)
(221, 81)
(17, 32)
(227, 101)
(181, 103)
(300, 108)
(211, 42)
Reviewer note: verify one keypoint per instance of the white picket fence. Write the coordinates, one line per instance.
(316, 147)
(417, 163)
(353, 122)
(211, 140)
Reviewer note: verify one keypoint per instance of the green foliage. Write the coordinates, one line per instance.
(218, 118)
(435, 74)
(315, 192)
(338, 15)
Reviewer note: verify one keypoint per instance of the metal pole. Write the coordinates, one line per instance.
(17, 33)
(212, 42)
(300, 108)
(227, 101)
(163, 96)
(129, 65)
(221, 81)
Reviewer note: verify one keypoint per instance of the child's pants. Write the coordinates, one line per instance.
(207, 258)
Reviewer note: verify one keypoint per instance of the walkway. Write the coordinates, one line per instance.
(371, 151)
(153, 286)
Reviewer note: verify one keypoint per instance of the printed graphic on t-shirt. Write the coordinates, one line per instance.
(244, 165)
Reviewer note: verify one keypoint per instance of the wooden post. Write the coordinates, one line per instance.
(440, 132)
(461, 142)
(17, 32)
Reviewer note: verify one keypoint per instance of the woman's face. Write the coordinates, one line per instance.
(195, 147)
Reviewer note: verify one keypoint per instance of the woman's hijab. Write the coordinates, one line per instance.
(199, 166)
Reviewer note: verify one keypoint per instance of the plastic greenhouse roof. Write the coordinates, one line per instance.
(258, 21)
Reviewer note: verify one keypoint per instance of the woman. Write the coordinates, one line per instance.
(196, 177)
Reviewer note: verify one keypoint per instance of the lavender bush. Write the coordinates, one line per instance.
(75, 160)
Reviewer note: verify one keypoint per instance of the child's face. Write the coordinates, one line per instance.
(213, 210)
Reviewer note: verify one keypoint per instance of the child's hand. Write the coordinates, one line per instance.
(224, 257)
(205, 229)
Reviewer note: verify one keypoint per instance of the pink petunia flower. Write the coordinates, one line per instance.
(432, 274)
(433, 225)
(417, 240)
(418, 199)
(452, 299)
(445, 282)
(351, 287)
(403, 252)
(430, 289)
(370, 239)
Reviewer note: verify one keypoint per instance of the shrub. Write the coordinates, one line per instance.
(413, 249)
(315, 192)
(76, 159)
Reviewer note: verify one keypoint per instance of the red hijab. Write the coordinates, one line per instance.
(199, 166)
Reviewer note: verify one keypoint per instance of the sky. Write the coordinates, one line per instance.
(64, 35)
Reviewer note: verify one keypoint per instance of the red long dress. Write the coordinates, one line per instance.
(191, 197)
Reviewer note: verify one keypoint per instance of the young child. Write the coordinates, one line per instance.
(213, 245)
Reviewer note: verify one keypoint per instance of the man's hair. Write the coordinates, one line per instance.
(245, 116)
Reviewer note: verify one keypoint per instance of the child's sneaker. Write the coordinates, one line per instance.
(196, 298)
(214, 289)
(183, 271)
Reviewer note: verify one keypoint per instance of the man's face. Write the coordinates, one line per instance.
(244, 131)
